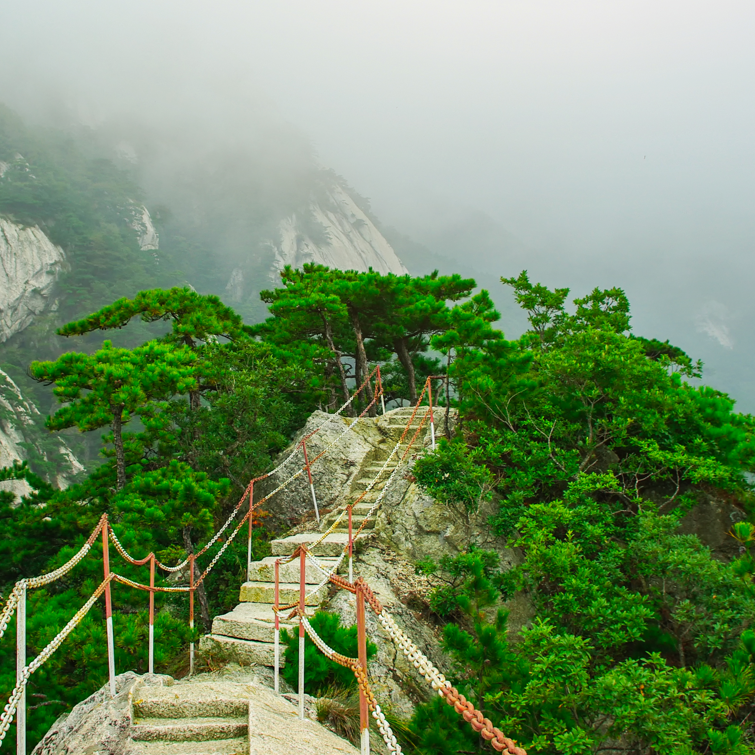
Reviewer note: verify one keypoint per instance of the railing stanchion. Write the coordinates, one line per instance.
(249, 543)
(380, 387)
(432, 414)
(108, 608)
(311, 484)
(276, 603)
(152, 613)
(20, 665)
(351, 547)
(191, 613)
(364, 715)
(302, 574)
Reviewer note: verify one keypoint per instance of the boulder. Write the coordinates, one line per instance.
(333, 474)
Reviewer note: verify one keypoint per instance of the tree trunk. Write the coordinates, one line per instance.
(120, 455)
(361, 360)
(204, 606)
(337, 360)
(405, 358)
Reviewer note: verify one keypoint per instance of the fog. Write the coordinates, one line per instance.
(596, 143)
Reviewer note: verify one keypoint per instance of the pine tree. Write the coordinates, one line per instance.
(111, 385)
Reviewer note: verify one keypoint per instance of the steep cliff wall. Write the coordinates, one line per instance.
(29, 266)
(348, 239)
(24, 438)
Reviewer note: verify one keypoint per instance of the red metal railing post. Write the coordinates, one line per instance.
(364, 716)
(351, 546)
(380, 388)
(191, 613)
(108, 607)
(432, 414)
(302, 576)
(151, 613)
(311, 484)
(249, 543)
(276, 604)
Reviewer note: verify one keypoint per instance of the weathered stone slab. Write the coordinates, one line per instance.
(244, 652)
(264, 571)
(264, 592)
(249, 621)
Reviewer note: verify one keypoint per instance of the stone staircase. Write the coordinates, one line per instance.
(190, 719)
(213, 715)
(246, 634)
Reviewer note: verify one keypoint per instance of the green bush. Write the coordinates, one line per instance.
(320, 672)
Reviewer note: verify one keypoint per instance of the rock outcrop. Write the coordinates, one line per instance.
(348, 239)
(141, 222)
(30, 264)
(21, 427)
(227, 713)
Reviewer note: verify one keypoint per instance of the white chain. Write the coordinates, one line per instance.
(10, 707)
(386, 732)
(10, 606)
(418, 659)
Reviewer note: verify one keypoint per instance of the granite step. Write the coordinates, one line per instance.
(196, 729)
(235, 746)
(332, 546)
(189, 700)
(264, 592)
(249, 621)
(365, 482)
(356, 523)
(243, 652)
(264, 570)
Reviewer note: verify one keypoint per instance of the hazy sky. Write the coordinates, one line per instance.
(616, 137)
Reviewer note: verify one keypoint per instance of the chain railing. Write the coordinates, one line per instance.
(16, 602)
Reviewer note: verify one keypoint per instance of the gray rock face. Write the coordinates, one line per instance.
(98, 725)
(21, 422)
(332, 474)
(228, 713)
(351, 240)
(29, 266)
(146, 232)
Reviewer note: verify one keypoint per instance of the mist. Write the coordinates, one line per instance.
(595, 144)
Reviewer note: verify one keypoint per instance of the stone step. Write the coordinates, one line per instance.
(359, 510)
(367, 481)
(288, 592)
(196, 729)
(235, 746)
(243, 652)
(198, 699)
(264, 571)
(356, 523)
(333, 544)
(249, 621)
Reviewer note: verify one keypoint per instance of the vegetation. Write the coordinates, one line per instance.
(592, 443)
(596, 448)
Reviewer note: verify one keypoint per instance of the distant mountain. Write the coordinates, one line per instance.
(88, 215)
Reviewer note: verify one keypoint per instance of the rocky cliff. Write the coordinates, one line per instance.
(23, 437)
(348, 239)
(30, 264)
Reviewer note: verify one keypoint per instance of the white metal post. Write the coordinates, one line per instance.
(311, 483)
(20, 666)
(277, 628)
(249, 541)
(302, 582)
(108, 609)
